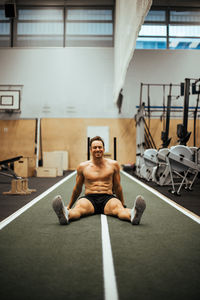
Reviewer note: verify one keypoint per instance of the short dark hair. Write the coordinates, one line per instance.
(96, 138)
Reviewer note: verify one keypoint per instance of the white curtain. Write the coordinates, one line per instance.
(129, 16)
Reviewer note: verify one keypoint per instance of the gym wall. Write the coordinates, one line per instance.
(71, 88)
(18, 137)
(158, 67)
(62, 82)
(68, 135)
(77, 82)
(156, 128)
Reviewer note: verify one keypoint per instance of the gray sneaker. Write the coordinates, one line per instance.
(137, 210)
(61, 211)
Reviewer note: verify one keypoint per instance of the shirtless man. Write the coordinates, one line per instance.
(101, 177)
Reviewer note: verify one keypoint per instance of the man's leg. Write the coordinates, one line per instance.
(60, 210)
(83, 207)
(114, 207)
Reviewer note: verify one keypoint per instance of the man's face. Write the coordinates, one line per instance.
(97, 149)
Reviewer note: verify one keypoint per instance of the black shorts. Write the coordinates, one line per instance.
(98, 201)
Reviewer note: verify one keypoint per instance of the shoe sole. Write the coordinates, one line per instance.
(58, 208)
(140, 206)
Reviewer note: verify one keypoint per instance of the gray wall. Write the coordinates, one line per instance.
(77, 82)
(159, 67)
(70, 82)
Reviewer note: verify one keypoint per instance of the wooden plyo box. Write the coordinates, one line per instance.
(46, 172)
(56, 159)
(21, 167)
(31, 166)
(25, 167)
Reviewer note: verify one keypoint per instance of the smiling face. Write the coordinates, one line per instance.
(97, 149)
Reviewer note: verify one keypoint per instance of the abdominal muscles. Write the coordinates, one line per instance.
(98, 183)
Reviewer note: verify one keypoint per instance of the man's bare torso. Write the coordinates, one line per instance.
(99, 178)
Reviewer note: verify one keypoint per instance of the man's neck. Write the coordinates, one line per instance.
(98, 161)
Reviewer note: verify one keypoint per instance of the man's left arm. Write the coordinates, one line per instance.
(117, 184)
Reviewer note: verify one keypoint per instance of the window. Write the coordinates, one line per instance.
(5, 29)
(153, 33)
(61, 26)
(40, 27)
(184, 30)
(172, 29)
(156, 16)
(89, 27)
(66, 26)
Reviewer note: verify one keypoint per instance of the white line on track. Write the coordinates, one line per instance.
(110, 285)
(185, 211)
(31, 203)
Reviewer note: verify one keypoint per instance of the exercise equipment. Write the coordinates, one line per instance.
(175, 166)
(184, 162)
(161, 172)
(182, 132)
(140, 138)
(5, 167)
(165, 134)
(195, 118)
(150, 161)
(169, 166)
(187, 88)
(156, 166)
(19, 187)
(195, 91)
(144, 140)
(181, 159)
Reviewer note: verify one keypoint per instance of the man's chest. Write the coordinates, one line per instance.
(95, 173)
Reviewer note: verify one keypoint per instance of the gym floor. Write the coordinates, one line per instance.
(159, 259)
(186, 199)
(11, 203)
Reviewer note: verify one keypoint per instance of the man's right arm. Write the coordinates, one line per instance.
(78, 186)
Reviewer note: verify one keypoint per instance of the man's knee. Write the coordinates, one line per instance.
(113, 206)
(74, 214)
(84, 206)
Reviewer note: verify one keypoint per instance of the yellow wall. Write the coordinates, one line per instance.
(71, 135)
(17, 137)
(156, 126)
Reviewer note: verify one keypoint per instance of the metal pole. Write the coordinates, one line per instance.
(88, 148)
(141, 87)
(149, 103)
(164, 107)
(169, 97)
(186, 103)
(38, 142)
(115, 148)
